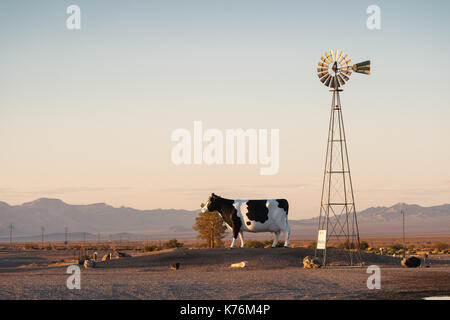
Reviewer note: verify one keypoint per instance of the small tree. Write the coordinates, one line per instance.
(210, 227)
(172, 244)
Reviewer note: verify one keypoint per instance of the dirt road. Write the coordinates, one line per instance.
(206, 274)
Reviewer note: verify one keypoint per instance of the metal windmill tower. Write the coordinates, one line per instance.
(337, 220)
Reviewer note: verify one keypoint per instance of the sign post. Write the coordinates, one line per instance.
(322, 244)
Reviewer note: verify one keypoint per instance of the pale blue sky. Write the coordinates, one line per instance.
(86, 116)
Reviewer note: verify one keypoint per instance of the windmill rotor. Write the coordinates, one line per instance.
(334, 68)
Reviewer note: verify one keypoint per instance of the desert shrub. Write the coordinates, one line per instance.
(346, 245)
(363, 245)
(150, 248)
(172, 244)
(254, 244)
(312, 245)
(440, 246)
(396, 247)
(280, 244)
(201, 245)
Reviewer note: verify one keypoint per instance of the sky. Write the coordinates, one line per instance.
(86, 115)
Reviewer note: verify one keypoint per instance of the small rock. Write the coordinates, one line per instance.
(411, 262)
(122, 254)
(81, 261)
(175, 266)
(242, 264)
(89, 264)
(106, 257)
(311, 263)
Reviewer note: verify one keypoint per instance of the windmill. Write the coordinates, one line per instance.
(337, 219)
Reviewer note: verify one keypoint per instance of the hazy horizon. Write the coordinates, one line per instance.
(87, 115)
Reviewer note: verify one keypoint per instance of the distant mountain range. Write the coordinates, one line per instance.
(55, 215)
(102, 220)
(388, 220)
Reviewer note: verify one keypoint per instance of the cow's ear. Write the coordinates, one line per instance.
(213, 195)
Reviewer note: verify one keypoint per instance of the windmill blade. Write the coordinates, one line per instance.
(320, 75)
(328, 80)
(344, 76)
(336, 82)
(342, 57)
(328, 57)
(345, 63)
(325, 78)
(347, 72)
(349, 69)
(322, 69)
(332, 55)
(321, 64)
(325, 60)
(341, 80)
(332, 82)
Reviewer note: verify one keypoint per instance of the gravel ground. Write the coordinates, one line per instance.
(205, 274)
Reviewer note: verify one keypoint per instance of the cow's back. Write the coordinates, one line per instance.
(262, 215)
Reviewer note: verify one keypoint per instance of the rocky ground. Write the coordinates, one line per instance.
(206, 274)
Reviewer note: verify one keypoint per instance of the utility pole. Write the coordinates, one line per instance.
(66, 230)
(404, 243)
(11, 227)
(42, 233)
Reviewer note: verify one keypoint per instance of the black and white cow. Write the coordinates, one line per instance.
(252, 216)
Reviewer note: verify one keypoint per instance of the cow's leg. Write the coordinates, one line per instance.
(287, 233)
(233, 243)
(275, 241)
(237, 224)
(236, 232)
(241, 236)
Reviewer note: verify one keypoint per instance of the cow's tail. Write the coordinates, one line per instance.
(287, 210)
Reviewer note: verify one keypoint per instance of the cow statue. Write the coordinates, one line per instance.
(252, 216)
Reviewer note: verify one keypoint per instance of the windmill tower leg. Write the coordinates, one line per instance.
(337, 207)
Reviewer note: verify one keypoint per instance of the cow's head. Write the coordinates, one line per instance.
(211, 205)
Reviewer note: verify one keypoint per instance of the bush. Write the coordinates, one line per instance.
(440, 246)
(346, 245)
(363, 245)
(280, 244)
(254, 244)
(312, 245)
(150, 248)
(172, 244)
(396, 247)
(262, 244)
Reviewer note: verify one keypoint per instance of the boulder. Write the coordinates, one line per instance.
(106, 257)
(175, 266)
(411, 262)
(122, 254)
(311, 263)
(89, 263)
(242, 264)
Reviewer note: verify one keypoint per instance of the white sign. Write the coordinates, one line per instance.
(322, 239)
